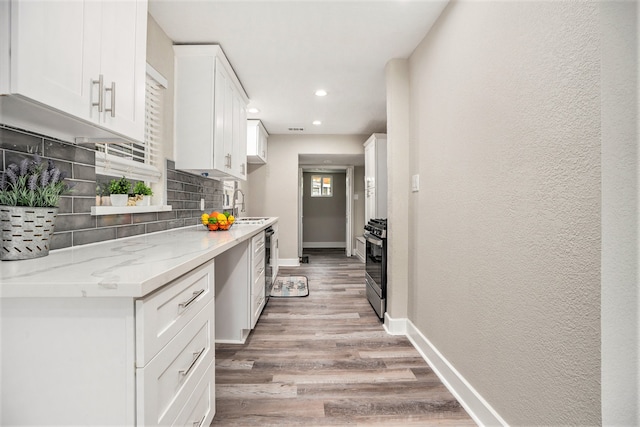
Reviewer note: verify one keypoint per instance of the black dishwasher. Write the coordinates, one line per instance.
(268, 279)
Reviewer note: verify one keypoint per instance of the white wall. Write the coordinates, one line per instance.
(274, 186)
(504, 273)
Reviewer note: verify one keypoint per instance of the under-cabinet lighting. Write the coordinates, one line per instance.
(321, 92)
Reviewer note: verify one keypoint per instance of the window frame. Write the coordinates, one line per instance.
(322, 178)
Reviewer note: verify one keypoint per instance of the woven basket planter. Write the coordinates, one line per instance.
(25, 232)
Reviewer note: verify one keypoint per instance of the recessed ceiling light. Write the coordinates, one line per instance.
(317, 122)
(253, 110)
(321, 92)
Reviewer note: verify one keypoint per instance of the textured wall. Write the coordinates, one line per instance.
(505, 280)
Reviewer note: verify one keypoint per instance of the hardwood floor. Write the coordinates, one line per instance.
(325, 360)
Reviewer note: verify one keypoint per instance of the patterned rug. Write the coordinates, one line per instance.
(290, 286)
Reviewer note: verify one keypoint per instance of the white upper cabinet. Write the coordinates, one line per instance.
(210, 113)
(257, 137)
(84, 59)
(375, 176)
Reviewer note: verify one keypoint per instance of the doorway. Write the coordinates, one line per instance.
(325, 208)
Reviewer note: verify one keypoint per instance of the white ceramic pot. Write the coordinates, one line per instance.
(146, 201)
(119, 199)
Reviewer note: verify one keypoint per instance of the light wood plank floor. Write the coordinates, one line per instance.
(325, 360)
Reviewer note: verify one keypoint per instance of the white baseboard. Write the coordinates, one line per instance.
(324, 244)
(478, 408)
(288, 262)
(395, 326)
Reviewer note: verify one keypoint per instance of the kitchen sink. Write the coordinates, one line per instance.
(251, 220)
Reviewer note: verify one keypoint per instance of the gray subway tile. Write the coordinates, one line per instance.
(156, 226)
(61, 240)
(113, 220)
(145, 217)
(87, 173)
(70, 152)
(75, 222)
(92, 236)
(130, 230)
(19, 141)
(83, 204)
(166, 216)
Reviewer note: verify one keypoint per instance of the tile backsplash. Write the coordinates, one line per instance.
(75, 225)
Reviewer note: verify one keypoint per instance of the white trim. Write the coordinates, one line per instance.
(478, 408)
(288, 262)
(395, 326)
(324, 245)
(155, 75)
(116, 167)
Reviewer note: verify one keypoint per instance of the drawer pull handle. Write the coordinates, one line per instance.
(199, 423)
(196, 356)
(195, 296)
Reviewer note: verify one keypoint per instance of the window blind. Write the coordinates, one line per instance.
(138, 161)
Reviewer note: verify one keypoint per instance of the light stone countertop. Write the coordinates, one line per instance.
(131, 267)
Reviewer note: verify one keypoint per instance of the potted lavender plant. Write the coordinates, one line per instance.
(29, 198)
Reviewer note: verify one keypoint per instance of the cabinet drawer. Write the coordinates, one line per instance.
(258, 265)
(257, 303)
(200, 409)
(257, 242)
(160, 316)
(258, 283)
(166, 383)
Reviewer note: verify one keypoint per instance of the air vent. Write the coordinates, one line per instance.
(296, 129)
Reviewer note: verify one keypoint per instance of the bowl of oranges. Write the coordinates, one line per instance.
(216, 221)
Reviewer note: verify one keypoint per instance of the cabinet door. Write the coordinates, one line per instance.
(55, 54)
(239, 137)
(370, 164)
(224, 119)
(123, 65)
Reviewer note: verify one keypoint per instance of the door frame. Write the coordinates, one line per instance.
(349, 172)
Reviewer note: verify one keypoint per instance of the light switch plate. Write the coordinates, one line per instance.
(415, 183)
(201, 204)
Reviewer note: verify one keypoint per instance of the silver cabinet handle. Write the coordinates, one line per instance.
(242, 168)
(199, 423)
(112, 89)
(188, 302)
(196, 356)
(100, 83)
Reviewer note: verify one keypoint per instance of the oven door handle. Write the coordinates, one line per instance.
(373, 240)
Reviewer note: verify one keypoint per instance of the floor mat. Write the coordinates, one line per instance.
(290, 286)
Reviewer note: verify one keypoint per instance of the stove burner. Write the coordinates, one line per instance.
(377, 227)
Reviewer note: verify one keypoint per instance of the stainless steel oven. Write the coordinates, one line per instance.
(376, 264)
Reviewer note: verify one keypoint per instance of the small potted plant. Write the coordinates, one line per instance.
(119, 189)
(29, 198)
(142, 194)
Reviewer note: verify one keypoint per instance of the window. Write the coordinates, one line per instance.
(321, 186)
(138, 161)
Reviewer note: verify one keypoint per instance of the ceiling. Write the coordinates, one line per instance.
(283, 51)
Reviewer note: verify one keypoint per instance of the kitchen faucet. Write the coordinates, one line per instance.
(233, 197)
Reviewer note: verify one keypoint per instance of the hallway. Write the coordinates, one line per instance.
(326, 360)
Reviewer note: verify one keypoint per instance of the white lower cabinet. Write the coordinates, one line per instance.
(240, 289)
(175, 347)
(111, 360)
